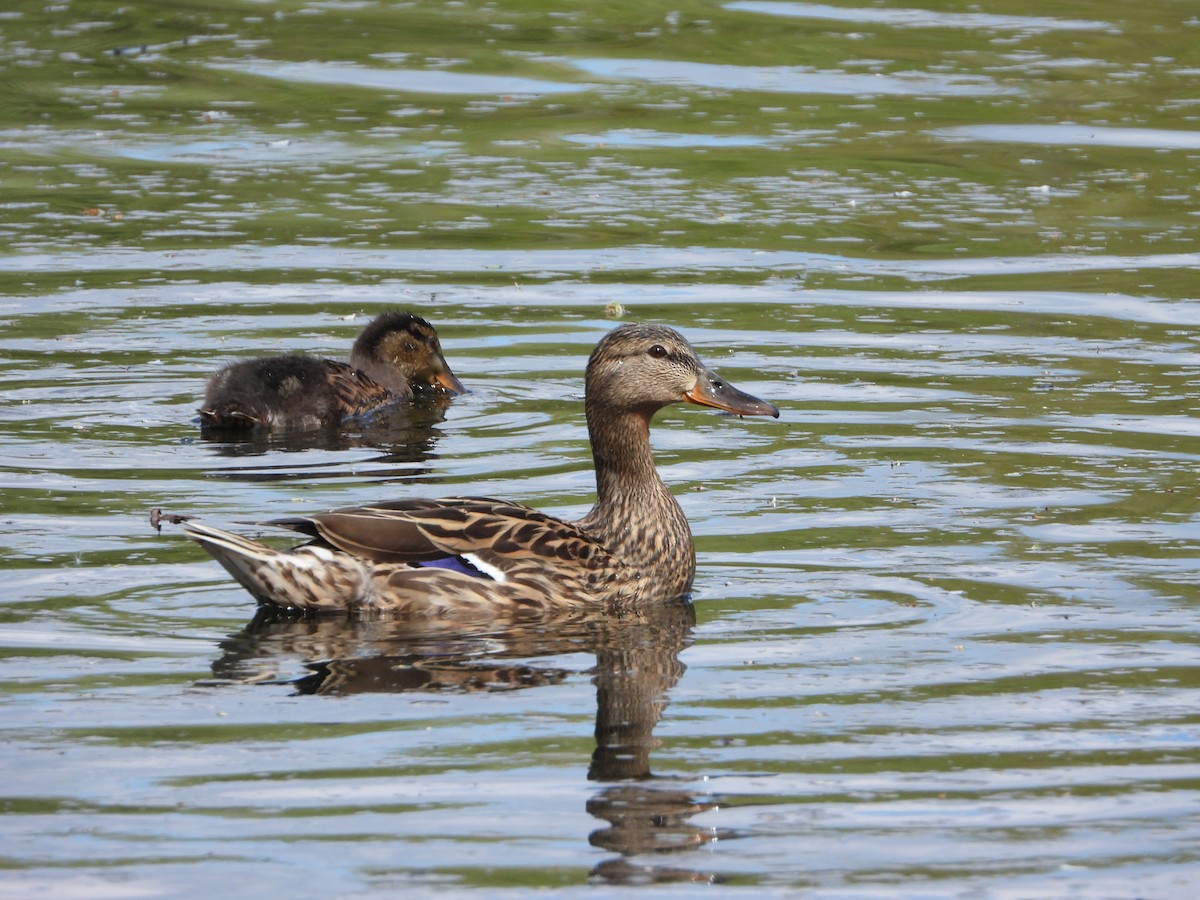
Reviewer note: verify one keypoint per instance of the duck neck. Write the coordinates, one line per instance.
(383, 374)
(635, 516)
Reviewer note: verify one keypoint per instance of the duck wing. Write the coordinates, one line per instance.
(354, 391)
(494, 537)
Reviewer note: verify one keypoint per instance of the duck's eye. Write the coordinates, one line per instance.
(658, 351)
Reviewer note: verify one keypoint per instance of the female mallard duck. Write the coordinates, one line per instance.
(473, 557)
(395, 354)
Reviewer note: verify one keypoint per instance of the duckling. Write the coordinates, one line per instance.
(396, 355)
(482, 558)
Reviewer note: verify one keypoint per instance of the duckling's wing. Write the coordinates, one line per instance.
(495, 537)
(354, 392)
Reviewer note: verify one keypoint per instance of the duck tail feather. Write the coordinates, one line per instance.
(308, 578)
(242, 558)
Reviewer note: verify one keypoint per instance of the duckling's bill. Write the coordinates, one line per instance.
(449, 380)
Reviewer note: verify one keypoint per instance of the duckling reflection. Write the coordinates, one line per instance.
(637, 663)
(405, 436)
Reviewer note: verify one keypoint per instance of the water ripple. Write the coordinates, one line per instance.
(919, 18)
(789, 79)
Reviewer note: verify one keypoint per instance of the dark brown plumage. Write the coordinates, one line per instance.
(476, 557)
(394, 355)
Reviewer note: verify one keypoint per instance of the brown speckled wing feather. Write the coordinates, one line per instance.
(500, 533)
(354, 392)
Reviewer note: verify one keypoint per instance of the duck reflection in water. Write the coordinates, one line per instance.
(404, 435)
(401, 444)
(637, 663)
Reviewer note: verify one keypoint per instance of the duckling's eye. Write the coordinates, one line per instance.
(658, 351)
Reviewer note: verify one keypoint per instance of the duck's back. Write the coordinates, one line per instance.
(288, 392)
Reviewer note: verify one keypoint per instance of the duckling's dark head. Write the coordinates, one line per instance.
(642, 368)
(407, 344)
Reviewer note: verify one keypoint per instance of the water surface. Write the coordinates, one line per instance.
(944, 636)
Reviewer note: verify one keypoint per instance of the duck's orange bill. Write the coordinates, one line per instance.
(712, 391)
